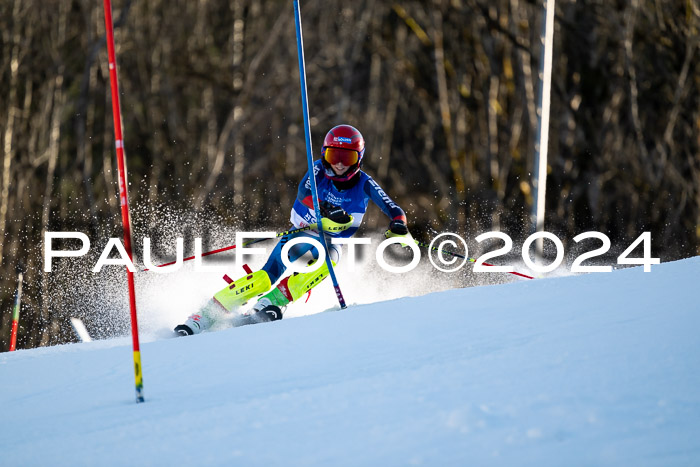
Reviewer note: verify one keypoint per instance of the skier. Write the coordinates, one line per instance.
(344, 191)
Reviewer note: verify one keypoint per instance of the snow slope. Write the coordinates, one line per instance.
(601, 369)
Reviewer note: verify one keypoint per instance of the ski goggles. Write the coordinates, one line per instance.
(347, 157)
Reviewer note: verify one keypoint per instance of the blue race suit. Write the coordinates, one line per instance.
(353, 200)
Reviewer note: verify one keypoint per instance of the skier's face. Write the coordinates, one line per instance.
(339, 168)
(340, 159)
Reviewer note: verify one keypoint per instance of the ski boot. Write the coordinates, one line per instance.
(268, 308)
(227, 300)
(183, 330)
(271, 306)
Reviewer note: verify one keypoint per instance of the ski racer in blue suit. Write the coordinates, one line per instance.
(344, 192)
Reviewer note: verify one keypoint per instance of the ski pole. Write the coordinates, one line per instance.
(231, 247)
(472, 260)
(309, 152)
(15, 314)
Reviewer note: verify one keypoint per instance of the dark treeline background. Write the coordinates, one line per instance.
(444, 92)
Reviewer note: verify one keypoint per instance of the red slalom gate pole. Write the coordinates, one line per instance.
(15, 314)
(123, 195)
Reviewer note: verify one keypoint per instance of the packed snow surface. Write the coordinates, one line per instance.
(599, 369)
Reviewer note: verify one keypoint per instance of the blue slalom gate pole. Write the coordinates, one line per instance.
(309, 152)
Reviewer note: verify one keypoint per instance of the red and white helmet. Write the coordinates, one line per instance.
(345, 144)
